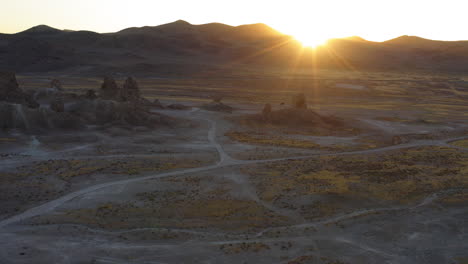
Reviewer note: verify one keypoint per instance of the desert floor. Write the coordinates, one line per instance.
(221, 190)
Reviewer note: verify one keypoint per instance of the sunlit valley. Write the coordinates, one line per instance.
(212, 143)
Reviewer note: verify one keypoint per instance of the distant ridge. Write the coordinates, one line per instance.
(41, 29)
(177, 25)
(180, 48)
(260, 28)
(181, 26)
(405, 39)
(356, 38)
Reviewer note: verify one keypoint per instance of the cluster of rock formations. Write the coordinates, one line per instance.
(178, 107)
(110, 90)
(298, 103)
(297, 116)
(128, 92)
(217, 106)
(54, 108)
(12, 93)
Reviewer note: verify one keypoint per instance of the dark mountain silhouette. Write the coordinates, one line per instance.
(180, 48)
(41, 29)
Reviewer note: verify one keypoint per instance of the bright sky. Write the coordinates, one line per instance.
(308, 20)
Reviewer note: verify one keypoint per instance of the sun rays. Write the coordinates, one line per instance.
(312, 41)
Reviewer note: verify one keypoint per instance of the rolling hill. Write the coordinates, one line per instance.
(180, 48)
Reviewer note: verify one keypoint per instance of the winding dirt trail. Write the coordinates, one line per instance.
(334, 219)
(224, 161)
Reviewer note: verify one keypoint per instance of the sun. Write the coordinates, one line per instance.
(311, 41)
(308, 38)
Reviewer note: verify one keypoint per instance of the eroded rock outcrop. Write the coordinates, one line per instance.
(11, 116)
(157, 104)
(8, 85)
(56, 84)
(57, 105)
(298, 119)
(101, 112)
(11, 92)
(299, 101)
(397, 140)
(35, 119)
(143, 102)
(130, 90)
(110, 90)
(179, 107)
(217, 98)
(61, 110)
(90, 94)
(217, 106)
(266, 112)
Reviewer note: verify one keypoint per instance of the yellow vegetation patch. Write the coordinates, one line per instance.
(221, 212)
(402, 176)
(271, 140)
(235, 215)
(462, 260)
(68, 169)
(460, 143)
(327, 182)
(7, 139)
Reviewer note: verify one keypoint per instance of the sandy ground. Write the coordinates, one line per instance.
(211, 203)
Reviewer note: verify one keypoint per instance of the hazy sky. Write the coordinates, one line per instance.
(311, 20)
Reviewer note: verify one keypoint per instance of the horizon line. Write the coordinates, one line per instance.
(234, 26)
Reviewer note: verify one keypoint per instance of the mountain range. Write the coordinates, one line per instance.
(180, 48)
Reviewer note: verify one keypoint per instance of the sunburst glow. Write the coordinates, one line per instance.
(310, 37)
(311, 41)
(310, 21)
